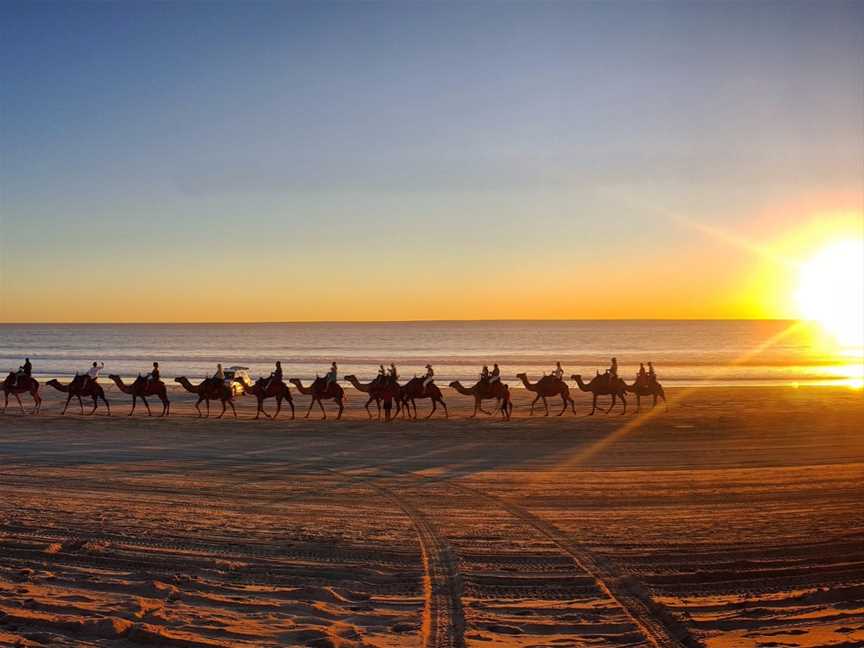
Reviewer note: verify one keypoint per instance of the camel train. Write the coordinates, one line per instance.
(383, 390)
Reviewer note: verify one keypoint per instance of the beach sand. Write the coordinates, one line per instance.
(733, 519)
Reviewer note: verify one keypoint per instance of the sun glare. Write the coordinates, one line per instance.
(831, 290)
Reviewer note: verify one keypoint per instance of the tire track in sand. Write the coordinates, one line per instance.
(658, 626)
(443, 617)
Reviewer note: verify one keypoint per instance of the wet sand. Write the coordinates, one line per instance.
(733, 519)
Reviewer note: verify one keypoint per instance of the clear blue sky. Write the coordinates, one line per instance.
(406, 143)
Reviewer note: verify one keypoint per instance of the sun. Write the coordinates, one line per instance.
(831, 290)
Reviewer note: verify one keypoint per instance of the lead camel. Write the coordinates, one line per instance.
(321, 391)
(603, 385)
(23, 385)
(141, 388)
(81, 386)
(209, 389)
(483, 390)
(544, 388)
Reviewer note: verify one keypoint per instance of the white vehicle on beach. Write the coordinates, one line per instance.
(237, 377)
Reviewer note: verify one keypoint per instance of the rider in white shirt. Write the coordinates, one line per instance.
(558, 372)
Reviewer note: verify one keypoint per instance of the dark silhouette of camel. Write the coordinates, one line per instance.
(209, 389)
(545, 387)
(141, 388)
(603, 385)
(320, 390)
(483, 390)
(277, 389)
(81, 386)
(647, 388)
(23, 385)
(378, 390)
(414, 389)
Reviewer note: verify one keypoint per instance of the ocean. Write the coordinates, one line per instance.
(724, 352)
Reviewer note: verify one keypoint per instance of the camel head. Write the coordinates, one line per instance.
(455, 384)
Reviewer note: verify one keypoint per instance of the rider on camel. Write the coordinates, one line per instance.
(495, 376)
(275, 375)
(428, 378)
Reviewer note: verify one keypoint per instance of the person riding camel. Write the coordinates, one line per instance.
(484, 374)
(558, 372)
(429, 377)
(92, 375)
(153, 376)
(652, 377)
(392, 374)
(382, 375)
(275, 375)
(331, 377)
(24, 370)
(641, 377)
(612, 371)
(495, 376)
(219, 376)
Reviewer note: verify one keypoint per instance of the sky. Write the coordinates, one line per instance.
(293, 161)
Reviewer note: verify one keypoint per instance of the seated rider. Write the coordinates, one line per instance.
(484, 374)
(93, 374)
(641, 377)
(331, 377)
(429, 377)
(652, 377)
(495, 376)
(219, 376)
(382, 374)
(558, 372)
(612, 371)
(24, 370)
(153, 376)
(392, 374)
(275, 375)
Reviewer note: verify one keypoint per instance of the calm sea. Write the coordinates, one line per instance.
(684, 352)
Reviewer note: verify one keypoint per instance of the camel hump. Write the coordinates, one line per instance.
(550, 381)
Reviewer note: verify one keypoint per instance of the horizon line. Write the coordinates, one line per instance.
(407, 321)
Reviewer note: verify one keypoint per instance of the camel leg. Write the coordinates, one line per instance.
(291, 403)
(323, 411)
(624, 401)
(368, 412)
(20, 404)
(546, 405)
(146, 405)
(222, 413)
(444, 405)
(134, 402)
(166, 406)
(81, 405)
(107, 406)
(67, 405)
(476, 406)
(233, 409)
(414, 407)
(278, 407)
(434, 407)
(207, 402)
(533, 403)
(593, 405)
(341, 408)
(198, 408)
(37, 399)
(614, 400)
(95, 405)
(564, 403)
(309, 411)
(6, 399)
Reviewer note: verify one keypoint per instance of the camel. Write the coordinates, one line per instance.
(602, 385)
(79, 387)
(377, 391)
(319, 391)
(209, 389)
(654, 389)
(23, 385)
(141, 388)
(545, 387)
(483, 390)
(265, 388)
(413, 389)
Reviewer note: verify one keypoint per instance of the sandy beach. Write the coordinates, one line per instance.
(733, 519)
